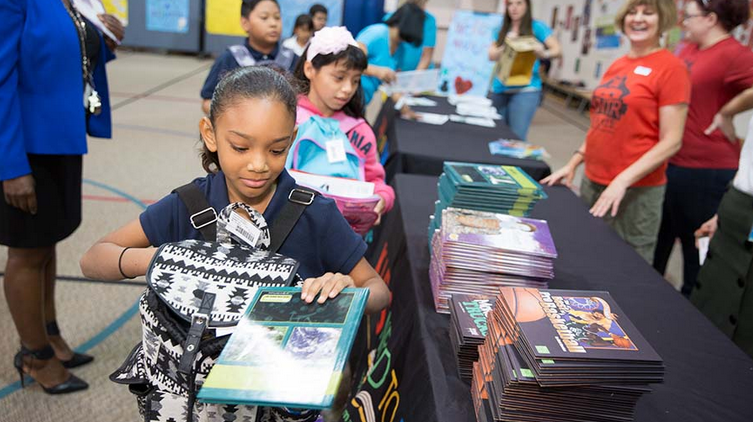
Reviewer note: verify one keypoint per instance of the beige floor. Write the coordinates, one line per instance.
(154, 149)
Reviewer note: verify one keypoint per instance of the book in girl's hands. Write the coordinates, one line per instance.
(517, 149)
(355, 199)
(286, 352)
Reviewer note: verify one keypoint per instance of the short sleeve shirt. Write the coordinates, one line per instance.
(541, 31)
(408, 55)
(376, 38)
(625, 114)
(717, 74)
(225, 62)
(322, 241)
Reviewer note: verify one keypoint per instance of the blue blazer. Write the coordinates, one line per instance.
(41, 86)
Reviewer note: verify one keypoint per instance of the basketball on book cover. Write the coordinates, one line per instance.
(524, 304)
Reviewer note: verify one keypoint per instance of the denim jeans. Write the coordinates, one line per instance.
(517, 109)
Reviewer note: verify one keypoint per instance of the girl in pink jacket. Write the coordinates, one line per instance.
(330, 74)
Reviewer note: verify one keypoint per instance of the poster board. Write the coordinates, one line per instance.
(466, 68)
(223, 28)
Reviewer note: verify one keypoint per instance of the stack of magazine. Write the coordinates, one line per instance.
(286, 352)
(517, 149)
(485, 187)
(355, 199)
(477, 252)
(468, 329)
(560, 355)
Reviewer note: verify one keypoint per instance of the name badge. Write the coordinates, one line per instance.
(243, 229)
(642, 70)
(335, 151)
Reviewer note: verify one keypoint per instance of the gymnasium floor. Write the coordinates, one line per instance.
(156, 110)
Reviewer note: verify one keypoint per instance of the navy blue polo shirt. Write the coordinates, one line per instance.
(226, 62)
(322, 241)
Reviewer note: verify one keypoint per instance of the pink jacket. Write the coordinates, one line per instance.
(362, 138)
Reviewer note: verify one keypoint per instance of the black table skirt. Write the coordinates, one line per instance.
(707, 377)
(419, 148)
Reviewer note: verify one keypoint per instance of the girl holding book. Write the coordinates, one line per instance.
(329, 74)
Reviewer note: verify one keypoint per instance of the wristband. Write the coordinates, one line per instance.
(120, 263)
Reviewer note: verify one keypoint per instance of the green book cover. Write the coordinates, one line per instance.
(286, 352)
(497, 177)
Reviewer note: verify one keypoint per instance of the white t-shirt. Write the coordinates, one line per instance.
(292, 43)
(744, 178)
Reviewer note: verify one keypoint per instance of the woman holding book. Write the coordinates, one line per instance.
(698, 175)
(637, 118)
(518, 104)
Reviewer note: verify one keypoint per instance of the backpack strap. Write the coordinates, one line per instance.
(298, 199)
(202, 216)
(242, 55)
(199, 322)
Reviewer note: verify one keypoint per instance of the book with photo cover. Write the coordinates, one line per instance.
(498, 231)
(286, 352)
(577, 325)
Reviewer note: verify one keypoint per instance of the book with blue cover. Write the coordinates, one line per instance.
(286, 352)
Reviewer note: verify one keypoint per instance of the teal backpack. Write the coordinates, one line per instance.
(309, 150)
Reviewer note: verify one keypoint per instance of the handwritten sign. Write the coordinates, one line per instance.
(466, 68)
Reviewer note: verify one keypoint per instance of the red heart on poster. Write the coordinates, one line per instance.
(462, 85)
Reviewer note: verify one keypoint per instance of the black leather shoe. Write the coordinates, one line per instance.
(78, 359)
(72, 384)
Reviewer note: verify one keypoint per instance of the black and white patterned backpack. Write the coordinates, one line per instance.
(197, 292)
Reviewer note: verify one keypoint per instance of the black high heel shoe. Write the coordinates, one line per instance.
(72, 384)
(78, 359)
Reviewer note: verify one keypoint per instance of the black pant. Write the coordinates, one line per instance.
(693, 196)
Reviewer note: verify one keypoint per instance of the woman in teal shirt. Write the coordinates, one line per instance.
(518, 104)
(381, 42)
(412, 57)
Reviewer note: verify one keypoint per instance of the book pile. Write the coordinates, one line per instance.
(560, 355)
(485, 187)
(468, 329)
(477, 252)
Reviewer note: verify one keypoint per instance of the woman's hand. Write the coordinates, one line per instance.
(707, 229)
(724, 124)
(610, 199)
(385, 74)
(327, 286)
(379, 209)
(115, 26)
(20, 193)
(565, 176)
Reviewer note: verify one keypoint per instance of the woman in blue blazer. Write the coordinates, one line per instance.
(51, 60)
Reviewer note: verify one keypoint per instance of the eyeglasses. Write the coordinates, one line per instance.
(686, 17)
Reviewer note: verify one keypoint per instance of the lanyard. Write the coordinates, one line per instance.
(92, 102)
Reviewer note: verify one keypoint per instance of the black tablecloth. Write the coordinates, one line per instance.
(420, 148)
(707, 377)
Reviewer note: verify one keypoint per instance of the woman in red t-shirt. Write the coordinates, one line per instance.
(637, 117)
(698, 175)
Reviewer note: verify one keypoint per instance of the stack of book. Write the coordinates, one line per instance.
(468, 329)
(559, 355)
(485, 187)
(476, 252)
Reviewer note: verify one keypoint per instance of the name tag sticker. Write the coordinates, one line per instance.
(335, 151)
(643, 71)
